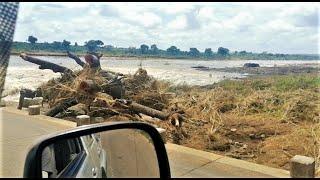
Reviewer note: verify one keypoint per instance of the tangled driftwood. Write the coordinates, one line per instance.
(100, 85)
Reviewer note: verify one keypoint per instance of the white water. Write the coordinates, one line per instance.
(22, 74)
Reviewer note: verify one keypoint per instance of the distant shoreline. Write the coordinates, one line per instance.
(121, 57)
(104, 55)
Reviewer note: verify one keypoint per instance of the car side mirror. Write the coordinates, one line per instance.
(125, 149)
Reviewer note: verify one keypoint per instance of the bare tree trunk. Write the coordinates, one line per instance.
(144, 109)
(61, 107)
(148, 111)
(46, 65)
(175, 118)
(76, 58)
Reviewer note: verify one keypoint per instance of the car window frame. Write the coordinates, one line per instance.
(73, 167)
(80, 154)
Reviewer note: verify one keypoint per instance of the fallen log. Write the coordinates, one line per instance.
(148, 111)
(144, 109)
(175, 118)
(76, 58)
(45, 64)
(61, 107)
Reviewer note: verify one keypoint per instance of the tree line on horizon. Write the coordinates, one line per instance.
(148, 51)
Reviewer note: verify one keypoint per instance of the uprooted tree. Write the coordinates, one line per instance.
(100, 91)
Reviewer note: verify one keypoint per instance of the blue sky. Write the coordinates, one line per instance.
(257, 27)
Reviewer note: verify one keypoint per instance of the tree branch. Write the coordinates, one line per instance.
(76, 58)
(45, 64)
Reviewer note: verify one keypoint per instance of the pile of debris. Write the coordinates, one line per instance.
(100, 93)
(252, 119)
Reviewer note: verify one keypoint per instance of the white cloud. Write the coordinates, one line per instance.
(147, 19)
(278, 25)
(237, 26)
(179, 23)
(241, 19)
(174, 8)
(207, 13)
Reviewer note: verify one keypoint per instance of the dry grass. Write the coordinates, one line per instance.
(264, 120)
(284, 147)
(272, 119)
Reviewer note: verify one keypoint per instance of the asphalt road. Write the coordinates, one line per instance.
(19, 131)
(129, 154)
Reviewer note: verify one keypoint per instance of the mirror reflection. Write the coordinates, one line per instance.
(115, 153)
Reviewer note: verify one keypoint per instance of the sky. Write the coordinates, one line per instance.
(291, 28)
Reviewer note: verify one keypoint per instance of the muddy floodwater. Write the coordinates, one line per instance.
(22, 74)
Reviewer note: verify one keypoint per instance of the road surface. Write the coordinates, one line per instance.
(130, 153)
(19, 130)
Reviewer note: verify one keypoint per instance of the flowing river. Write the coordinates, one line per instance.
(22, 74)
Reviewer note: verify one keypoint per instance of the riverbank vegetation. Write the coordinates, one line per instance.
(144, 50)
(266, 120)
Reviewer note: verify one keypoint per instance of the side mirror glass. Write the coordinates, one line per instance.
(120, 151)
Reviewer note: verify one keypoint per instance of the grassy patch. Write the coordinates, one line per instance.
(265, 114)
(294, 82)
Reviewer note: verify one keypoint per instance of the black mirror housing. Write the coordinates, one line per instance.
(33, 168)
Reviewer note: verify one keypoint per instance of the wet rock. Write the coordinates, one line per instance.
(200, 67)
(249, 65)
